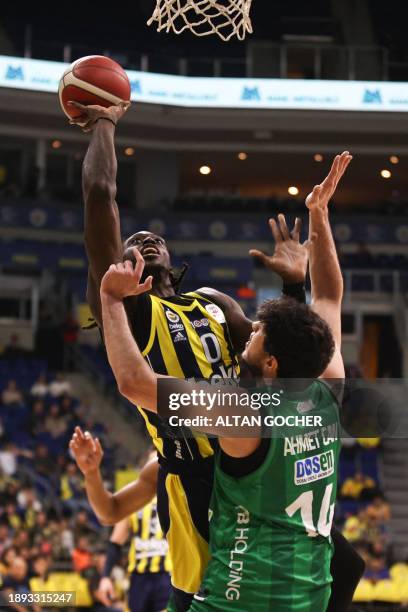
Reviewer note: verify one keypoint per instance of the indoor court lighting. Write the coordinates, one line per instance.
(205, 170)
(56, 144)
(129, 151)
(394, 159)
(318, 157)
(293, 190)
(385, 174)
(242, 156)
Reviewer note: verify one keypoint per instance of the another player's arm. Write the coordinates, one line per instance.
(324, 267)
(289, 261)
(110, 508)
(102, 224)
(119, 536)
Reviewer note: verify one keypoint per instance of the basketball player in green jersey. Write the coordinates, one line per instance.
(284, 542)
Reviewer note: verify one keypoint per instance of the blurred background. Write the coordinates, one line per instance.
(207, 180)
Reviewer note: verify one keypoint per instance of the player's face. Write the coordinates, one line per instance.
(255, 355)
(152, 247)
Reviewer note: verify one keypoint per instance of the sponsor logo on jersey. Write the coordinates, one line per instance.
(304, 407)
(200, 323)
(150, 548)
(175, 327)
(314, 468)
(172, 316)
(216, 312)
(179, 337)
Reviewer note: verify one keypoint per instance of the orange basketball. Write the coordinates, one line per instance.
(94, 79)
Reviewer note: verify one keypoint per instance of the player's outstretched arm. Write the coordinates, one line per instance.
(289, 261)
(325, 272)
(110, 508)
(102, 224)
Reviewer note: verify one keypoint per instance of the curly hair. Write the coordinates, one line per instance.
(297, 337)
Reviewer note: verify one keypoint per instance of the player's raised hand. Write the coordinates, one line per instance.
(87, 451)
(123, 279)
(91, 113)
(322, 194)
(290, 256)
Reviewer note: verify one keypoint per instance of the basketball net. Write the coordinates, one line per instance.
(225, 18)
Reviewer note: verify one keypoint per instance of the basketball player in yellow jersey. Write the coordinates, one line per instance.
(187, 335)
(149, 562)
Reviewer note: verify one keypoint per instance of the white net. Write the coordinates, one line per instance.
(225, 18)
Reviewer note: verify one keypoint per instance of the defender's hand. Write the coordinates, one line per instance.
(123, 279)
(290, 257)
(90, 114)
(322, 194)
(87, 451)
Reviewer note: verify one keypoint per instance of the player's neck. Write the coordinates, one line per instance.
(163, 291)
(162, 285)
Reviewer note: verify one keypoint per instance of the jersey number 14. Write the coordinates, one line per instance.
(304, 503)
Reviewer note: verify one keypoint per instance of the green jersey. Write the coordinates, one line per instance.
(270, 530)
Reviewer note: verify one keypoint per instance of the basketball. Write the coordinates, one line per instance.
(94, 79)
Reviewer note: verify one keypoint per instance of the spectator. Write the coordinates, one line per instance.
(379, 510)
(16, 581)
(376, 569)
(11, 394)
(5, 540)
(40, 569)
(59, 386)
(35, 423)
(71, 484)
(70, 329)
(12, 516)
(354, 487)
(81, 555)
(40, 387)
(9, 554)
(54, 423)
(81, 526)
(8, 459)
(30, 506)
(43, 464)
(67, 538)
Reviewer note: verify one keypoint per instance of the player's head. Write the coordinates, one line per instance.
(152, 247)
(154, 251)
(289, 340)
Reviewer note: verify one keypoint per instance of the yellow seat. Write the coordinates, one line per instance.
(399, 572)
(387, 590)
(83, 596)
(403, 589)
(364, 591)
(65, 581)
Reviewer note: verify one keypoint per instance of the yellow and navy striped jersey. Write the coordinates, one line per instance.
(148, 552)
(188, 338)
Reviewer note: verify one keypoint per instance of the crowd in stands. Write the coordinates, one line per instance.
(364, 515)
(49, 536)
